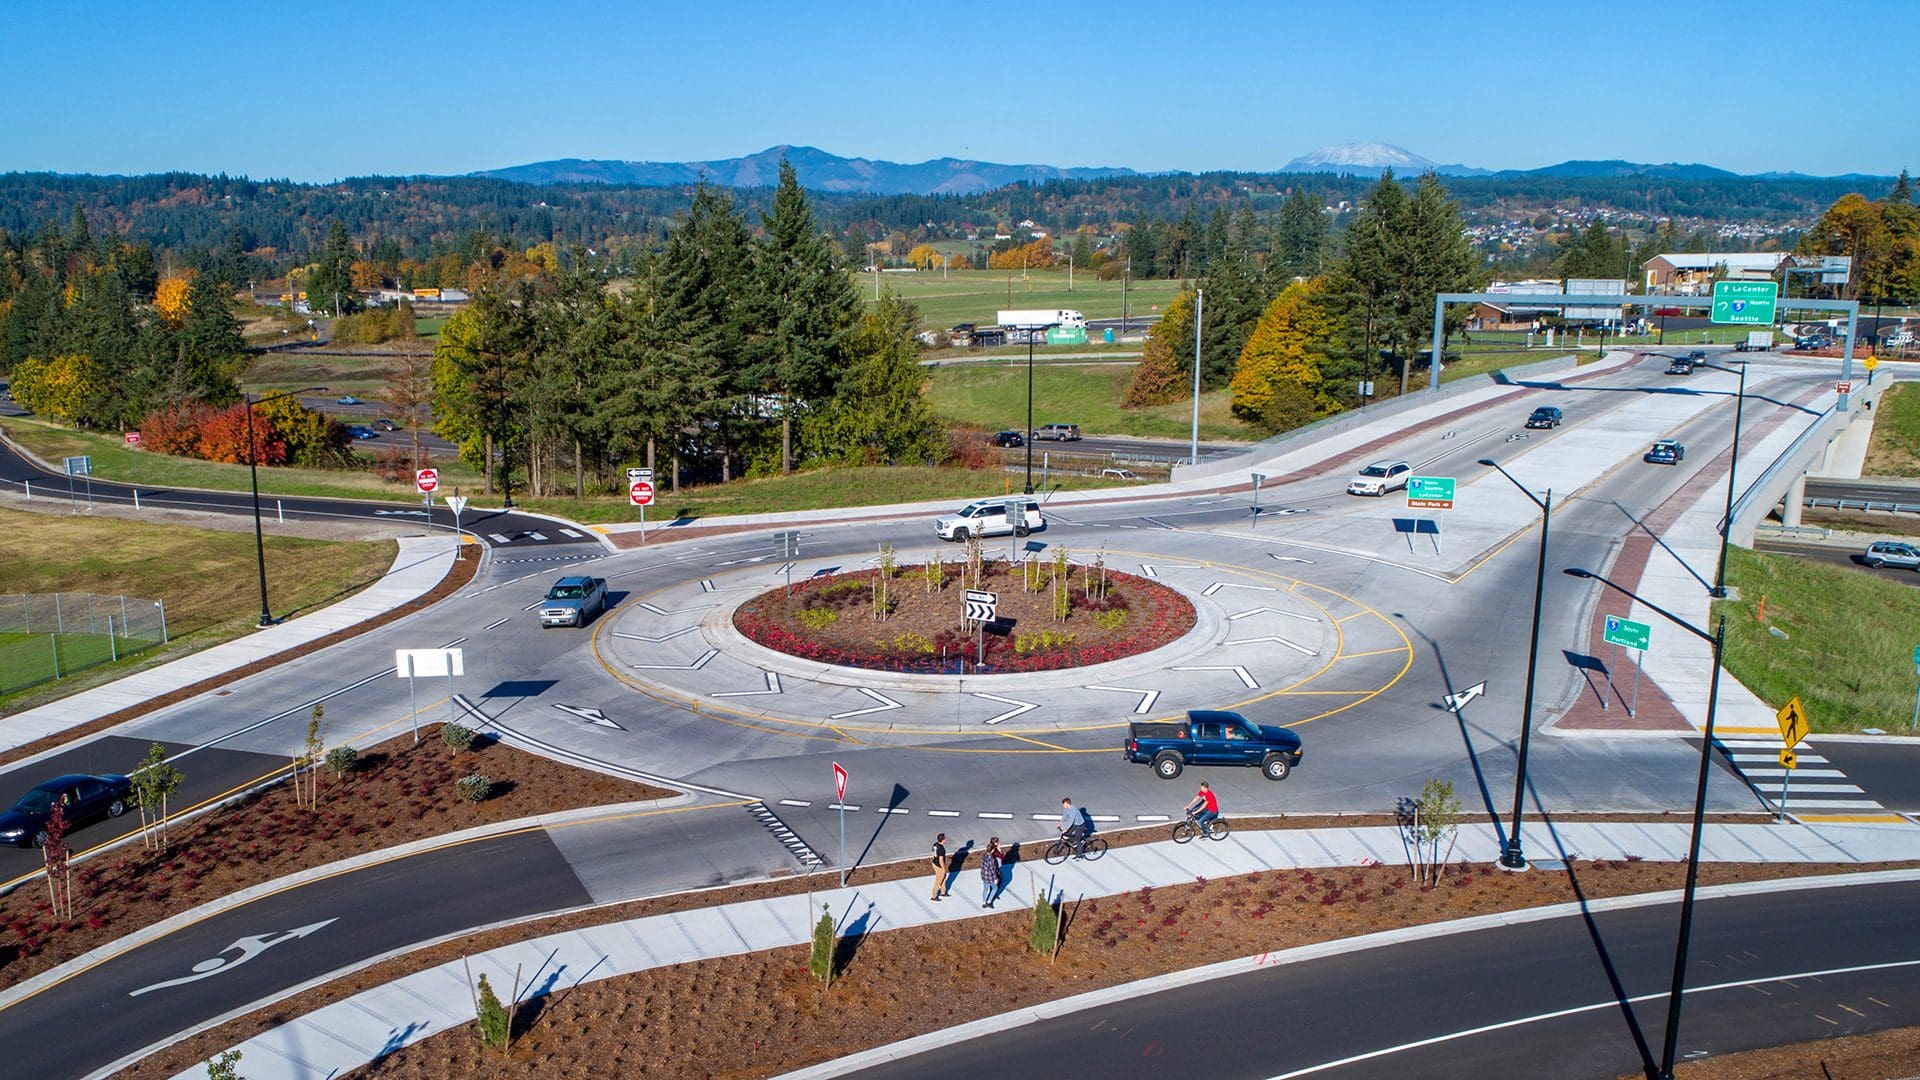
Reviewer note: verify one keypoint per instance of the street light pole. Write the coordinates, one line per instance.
(1199, 313)
(1676, 994)
(253, 477)
(1029, 438)
(1719, 590)
(1511, 855)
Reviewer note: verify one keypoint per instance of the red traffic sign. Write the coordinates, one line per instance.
(133, 438)
(426, 480)
(640, 493)
(839, 782)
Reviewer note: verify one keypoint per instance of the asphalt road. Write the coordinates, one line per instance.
(1837, 556)
(1578, 997)
(1877, 490)
(500, 528)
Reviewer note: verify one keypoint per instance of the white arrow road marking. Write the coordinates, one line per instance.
(1147, 697)
(1289, 558)
(1153, 570)
(656, 640)
(773, 687)
(885, 704)
(1456, 702)
(1218, 585)
(1256, 640)
(1236, 669)
(1020, 707)
(674, 611)
(249, 947)
(591, 716)
(1271, 611)
(695, 666)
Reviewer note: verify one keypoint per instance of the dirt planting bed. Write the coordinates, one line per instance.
(912, 618)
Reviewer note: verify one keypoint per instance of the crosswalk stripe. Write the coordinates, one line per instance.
(1802, 774)
(1796, 805)
(1795, 790)
(1804, 759)
(535, 536)
(498, 539)
(569, 532)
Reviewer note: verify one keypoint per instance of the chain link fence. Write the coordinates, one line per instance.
(47, 636)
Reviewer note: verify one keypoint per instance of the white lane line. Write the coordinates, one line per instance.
(706, 585)
(841, 806)
(1218, 585)
(891, 810)
(1019, 708)
(496, 622)
(533, 605)
(674, 611)
(1151, 817)
(329, 696)
(1044, 817)
(1246, 678)
(1104, 817)
(1250, 612)
(656, 640)
(943, 813)
(1302, 649)
(773, 687)
(994, 816)
(886, 703)
(1610, 1003)
(795, 802)
(1147, 697)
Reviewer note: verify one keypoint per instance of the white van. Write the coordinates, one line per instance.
(990, 517)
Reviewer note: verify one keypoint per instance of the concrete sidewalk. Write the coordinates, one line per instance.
(353, 1032)
(418, 566)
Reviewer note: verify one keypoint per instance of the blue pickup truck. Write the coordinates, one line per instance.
(1207, 737)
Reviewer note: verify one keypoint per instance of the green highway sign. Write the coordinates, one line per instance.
(1633, 635)
(1430, 492)
(1745, 302)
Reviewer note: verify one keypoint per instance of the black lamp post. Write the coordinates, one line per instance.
(253, 475)
(1719, 590)
(1029, 439)
(1678, 990)
(1511, 856)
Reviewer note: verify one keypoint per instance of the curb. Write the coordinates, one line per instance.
(999, 1024)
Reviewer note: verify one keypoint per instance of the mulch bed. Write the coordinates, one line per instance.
(1851, 1057)
(834, 618)
(465, 565)
(1620, 879)
(398, 793)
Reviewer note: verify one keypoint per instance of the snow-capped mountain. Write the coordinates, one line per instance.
(1369, 158)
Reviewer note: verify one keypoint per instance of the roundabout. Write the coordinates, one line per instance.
(1295, 650)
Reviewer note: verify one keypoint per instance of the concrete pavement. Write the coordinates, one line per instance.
(352, 1032)
(418, 566)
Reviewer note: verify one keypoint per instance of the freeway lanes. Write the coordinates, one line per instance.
(1580, 997)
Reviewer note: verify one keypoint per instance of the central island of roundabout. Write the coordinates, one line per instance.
(887, 648)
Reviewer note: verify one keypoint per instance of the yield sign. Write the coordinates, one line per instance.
(839, 782)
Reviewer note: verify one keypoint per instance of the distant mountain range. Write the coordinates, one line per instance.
(819, 170)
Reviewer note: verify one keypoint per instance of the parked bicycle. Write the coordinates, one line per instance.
(1184, 831)
(1058, 851)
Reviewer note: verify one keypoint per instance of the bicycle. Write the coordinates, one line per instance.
(1058, 851)
(1184, 831)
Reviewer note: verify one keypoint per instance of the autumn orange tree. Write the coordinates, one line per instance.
(1278, 384)
(1162, 376)
(1032, 256)
(170, 298)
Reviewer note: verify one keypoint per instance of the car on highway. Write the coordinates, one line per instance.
(573, 600)
(1698, 356)
(1665, 452)
(1546, 416)
(347, 399)
(1211, 737)
(84, 798)
(1009, 438)
(1379, 478)
(1060, 432)
(362, 431)
(1119, 474)
(1892, 553)
(990, 517)
(1680, 366)
(384, 424)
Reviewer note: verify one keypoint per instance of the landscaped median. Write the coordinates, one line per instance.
(717, 982)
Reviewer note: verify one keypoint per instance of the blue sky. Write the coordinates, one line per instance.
(317, 92)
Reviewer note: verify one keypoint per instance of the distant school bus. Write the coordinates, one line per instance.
(426, 294)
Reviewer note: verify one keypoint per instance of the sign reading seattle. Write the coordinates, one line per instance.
(1745, 303)
(1430, 492)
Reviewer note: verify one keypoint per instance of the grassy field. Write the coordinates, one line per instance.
(818, 489)
(204, 577)
(977, 296)
(30, 659)
(113, 460)
(361, 376)
(995, 397)
(1895, 447)
(1850, 671)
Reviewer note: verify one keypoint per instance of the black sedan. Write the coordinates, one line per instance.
(1680, 366)
(86, 798)
(1665, 452)
(1009, 438)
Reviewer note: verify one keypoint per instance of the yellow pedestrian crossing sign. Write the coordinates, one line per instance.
(1793, 722)
(1871, 363)
(1789, 760)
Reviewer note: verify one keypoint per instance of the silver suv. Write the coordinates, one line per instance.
(1891, 553)
(572, 601)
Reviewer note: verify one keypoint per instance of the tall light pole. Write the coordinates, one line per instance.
(1679, 988)
(1199, 313)
(1511, 855)
(1719, 590)
(253, 475)
(1029, 438)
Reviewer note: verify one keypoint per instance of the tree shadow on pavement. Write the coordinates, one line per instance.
(899, 796)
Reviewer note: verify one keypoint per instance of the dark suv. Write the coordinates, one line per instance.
(1009, 438)
(1546, 416)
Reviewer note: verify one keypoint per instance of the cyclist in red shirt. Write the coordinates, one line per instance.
(1207, 804)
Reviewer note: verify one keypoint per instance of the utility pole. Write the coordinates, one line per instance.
(1199, 311)
(1126, 278)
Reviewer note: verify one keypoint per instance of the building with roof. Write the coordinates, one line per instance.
(1688, 273)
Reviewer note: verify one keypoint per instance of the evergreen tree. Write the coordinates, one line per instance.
(1366, 280)
(1300, 237)
(211, 335)
(1902, 189)
(701, 308)
(1439, 259)
(880, 414)
(330, 284)
(1236, 292)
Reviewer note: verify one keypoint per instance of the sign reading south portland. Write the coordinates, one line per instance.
(1627, 633)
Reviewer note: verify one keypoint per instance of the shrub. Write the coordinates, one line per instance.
(1112, 619)
(818, 618)
(820, 960)
(343, 760)
(492, 1016)
(1045, 937)
(474, 787)
(1045, 639)
(458, 737)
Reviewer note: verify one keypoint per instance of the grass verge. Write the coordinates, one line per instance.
(201, 575)
(995, 397)
(1894, 449)
(1837, 653)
